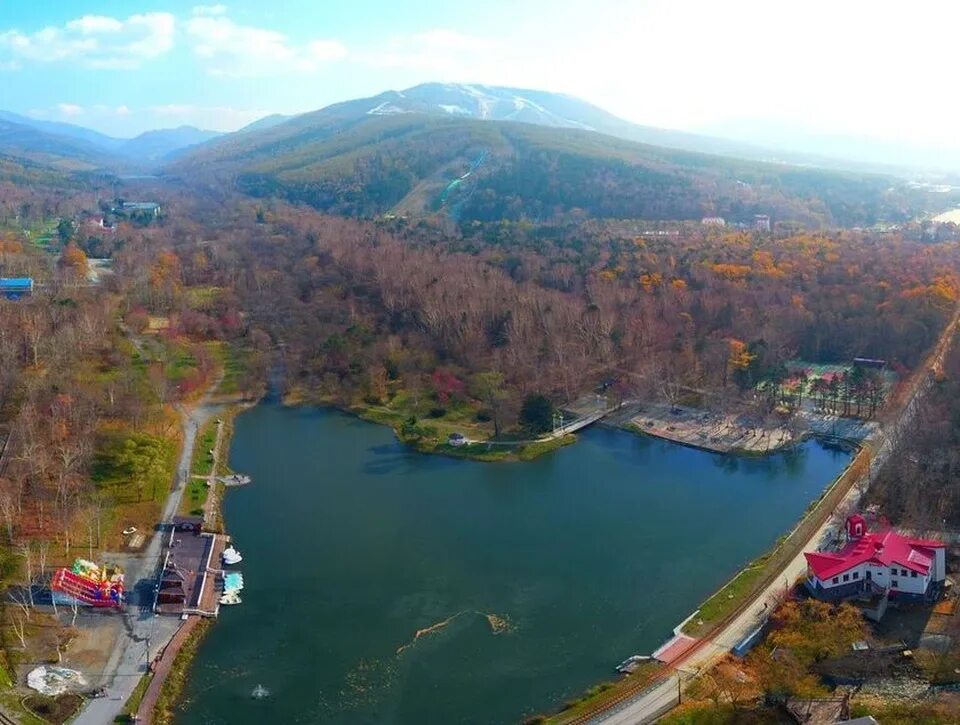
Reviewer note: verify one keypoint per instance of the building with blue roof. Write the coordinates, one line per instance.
(13, 288)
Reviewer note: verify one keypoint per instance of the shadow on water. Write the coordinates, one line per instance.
(386, 463)
(629, 449)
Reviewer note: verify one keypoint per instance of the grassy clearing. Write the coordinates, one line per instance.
(425, 425)
(12, 703)
(134, 466)
(202, 465)
(206, 440)
(55, 710)
(202, 299)
(235, 363)
(134, 473)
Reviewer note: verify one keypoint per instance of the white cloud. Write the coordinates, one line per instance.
(95, 41)
(69, 109)
(93, 24)
(440, 49)
(209, 10)
(218, 118)
(230, 49)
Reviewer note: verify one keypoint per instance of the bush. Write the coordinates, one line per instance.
(437, 412)
(484, 416)
(536, 415)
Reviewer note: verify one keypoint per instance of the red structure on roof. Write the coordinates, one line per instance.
(882, 548)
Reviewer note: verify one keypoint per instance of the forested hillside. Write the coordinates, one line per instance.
(356, 305)
(476, 170)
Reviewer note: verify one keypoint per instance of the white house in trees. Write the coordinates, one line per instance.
(877, 562)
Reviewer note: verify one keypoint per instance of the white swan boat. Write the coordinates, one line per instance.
(231, 556)
(230, 597)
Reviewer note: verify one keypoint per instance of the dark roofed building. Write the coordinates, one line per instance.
(866, 362)
(187, 523)
(172, 587)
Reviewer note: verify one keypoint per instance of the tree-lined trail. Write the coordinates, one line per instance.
(145, 635)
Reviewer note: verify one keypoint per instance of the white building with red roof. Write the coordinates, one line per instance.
(878, 561)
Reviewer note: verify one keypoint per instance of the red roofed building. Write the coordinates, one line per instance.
(874, 561)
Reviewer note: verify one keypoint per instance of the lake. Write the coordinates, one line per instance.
(527, 582)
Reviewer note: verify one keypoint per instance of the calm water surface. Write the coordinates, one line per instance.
(546, 573)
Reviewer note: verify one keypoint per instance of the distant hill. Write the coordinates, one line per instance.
(558, 110)
(36, 146)
(69, 144)
(24, 172)
(382, 155)
(164, 143)
(67, 130)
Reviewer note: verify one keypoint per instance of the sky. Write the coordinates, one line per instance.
(878, 69)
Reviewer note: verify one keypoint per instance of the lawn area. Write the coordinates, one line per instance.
(196, 494)
(425, 423)
(202, 298)
(12, 702)
(427, 428)
(235, 363)
(135, 472)
(43, 234)
(206, 440)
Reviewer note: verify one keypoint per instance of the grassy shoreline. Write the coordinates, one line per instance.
(176, 680)
(430, 436)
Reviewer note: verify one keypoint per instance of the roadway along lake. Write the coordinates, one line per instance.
(547, 573)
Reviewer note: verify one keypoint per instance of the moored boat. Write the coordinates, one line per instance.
(230, 597)
(231, 556)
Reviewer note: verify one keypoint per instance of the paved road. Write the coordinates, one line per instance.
(653, 703)
(145, 634)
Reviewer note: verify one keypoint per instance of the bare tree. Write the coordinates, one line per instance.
(26, 550)
(19, 629)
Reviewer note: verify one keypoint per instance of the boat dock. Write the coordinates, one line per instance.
(188, 581)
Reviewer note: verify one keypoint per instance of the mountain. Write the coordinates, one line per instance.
(274, 119)
(557, 110)
(91, 148)
(67, 130)
(389, 155)
(164, 143)
(40, 147)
